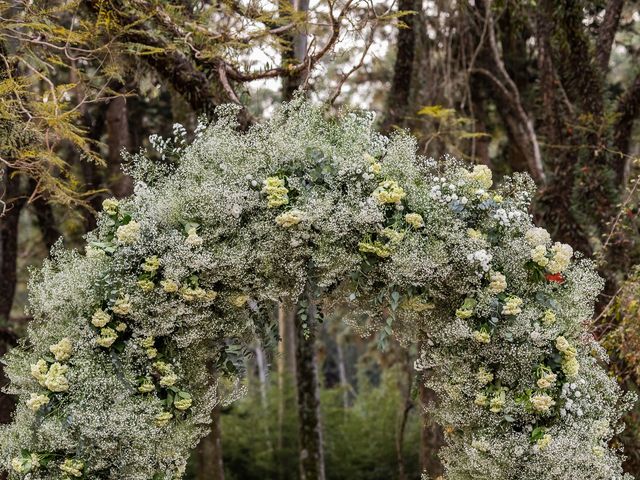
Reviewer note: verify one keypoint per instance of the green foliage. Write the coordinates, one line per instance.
(359, 440)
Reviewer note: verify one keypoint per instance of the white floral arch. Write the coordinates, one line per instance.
(113, 379)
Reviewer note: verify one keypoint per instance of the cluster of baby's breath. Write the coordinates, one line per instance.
(116, 379)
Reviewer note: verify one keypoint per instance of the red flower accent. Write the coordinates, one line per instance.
(556, 277)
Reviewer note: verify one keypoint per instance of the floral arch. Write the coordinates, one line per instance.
(114, 378)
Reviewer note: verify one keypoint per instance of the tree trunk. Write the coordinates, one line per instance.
(118, 139)
(9, 241)
(295, 50)
(342, 369)
(8, 278)
(286, 365)
(404, 385)
(210, 464)
(311, 445)
(431, 437)
(398, 98)
(47, 222)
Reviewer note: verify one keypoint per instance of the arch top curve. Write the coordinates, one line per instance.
(113, 380)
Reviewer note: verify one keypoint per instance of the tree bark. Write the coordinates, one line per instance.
(311, 443)
(404, 385)
(47, 222)
(607, 33)
(15, 200)
(398, 99)
(295, 50)
(210, 464)
(8, 277)
(118, 139)
(431, 436)
(286, 365)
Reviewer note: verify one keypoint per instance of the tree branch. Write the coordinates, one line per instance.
(607, 33)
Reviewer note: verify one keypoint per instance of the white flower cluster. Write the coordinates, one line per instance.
(182, 275)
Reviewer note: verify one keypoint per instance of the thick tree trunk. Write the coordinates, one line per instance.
(399, 93)
(8, 277)
(47, 222)
(311, 444)
(9, 240)
(118, 139)
(210, 464)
